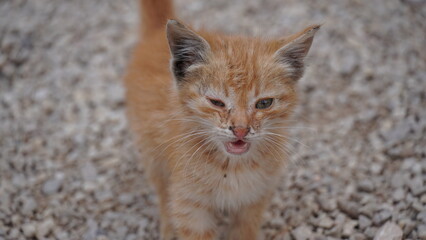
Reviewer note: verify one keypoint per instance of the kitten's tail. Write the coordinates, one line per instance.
(154, 15)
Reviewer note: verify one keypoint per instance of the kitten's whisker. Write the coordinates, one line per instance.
(291, 128)
(180, 144)
(293, 153)
(200, 163)
(287, 138)
(281, 146)
(275, 153)
(184, 136)
(195, 152)
(183, 155)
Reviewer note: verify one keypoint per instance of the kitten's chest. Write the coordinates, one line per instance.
(237, 188)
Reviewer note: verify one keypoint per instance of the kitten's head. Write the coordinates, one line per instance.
(237, 93)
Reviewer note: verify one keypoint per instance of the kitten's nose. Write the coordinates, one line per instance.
(240, 132)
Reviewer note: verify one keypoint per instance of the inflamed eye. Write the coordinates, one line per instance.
(217, 103)
(264, 103)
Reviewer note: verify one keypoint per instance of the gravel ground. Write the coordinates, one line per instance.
(68, 169)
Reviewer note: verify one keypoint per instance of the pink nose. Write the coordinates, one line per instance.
(240, 132)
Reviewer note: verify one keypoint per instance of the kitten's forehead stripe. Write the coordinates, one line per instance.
(244, 70)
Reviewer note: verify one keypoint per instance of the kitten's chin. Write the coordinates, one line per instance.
(237, 147)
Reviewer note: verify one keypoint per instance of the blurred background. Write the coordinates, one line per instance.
(68, 169)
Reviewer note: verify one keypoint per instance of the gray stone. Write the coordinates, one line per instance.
(407, 226)
(295, 220)
(131, 237)
(89, 172)
(126, 199)
(370, 232)
(302, 233)
(92, 228)
(421, 216)
(358, 236)
(368, 210)
(346, 62)
(397, 180)
(397, 134)
(103, 195)
(325, 222)
(62, 235)
(102, 237)
(277, 221)
(366, 186)
(327, 204)
(364, 222)
(19, 180)
(408, 163)
(389, 231)
(16, 220)
(423, 199)
(398, 194)
(417, 205)
(29, 230)
(421, 231)
(349, 208)
(29, 205)
(376, 168)
(44, 228)
(381, 217)
(348, 228)
(52, 185)
(417, 189)
(13, 233)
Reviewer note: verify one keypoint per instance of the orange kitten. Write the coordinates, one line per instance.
(209, 112)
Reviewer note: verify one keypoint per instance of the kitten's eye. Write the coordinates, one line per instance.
(264, 103)
(217, 103)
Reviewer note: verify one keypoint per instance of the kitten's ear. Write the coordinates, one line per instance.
(294, 51)
(187, 48)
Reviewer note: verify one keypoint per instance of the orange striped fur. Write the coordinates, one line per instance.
(191, 146)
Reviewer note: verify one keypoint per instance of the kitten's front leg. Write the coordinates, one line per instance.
(246, 221)
(193, 221)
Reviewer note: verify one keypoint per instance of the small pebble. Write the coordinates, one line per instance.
(364, 222)
(44, 228)
(52, 185)
(381, 217)
(126, 199)
(421, 231)
(358, 236)
(349, 208)
(302, 232)
(29, 206)
(366, 186)
(398, 194)
(327, 204)
(421, 216)
(389, 231)
(348, 228)
(29, 229)
(325, 222)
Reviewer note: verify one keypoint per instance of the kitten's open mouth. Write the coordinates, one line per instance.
(237, 147)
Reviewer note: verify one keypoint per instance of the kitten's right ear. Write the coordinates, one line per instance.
(187, 48)
(294, 51)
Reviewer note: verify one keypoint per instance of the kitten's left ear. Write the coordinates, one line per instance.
(294, 51)
(187, 49)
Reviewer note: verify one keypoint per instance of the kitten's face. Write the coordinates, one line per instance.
(237, 92)
(240, 102)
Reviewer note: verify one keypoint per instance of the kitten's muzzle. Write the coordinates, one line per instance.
(240, 132)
